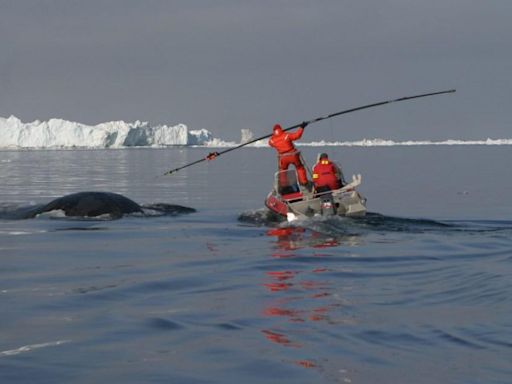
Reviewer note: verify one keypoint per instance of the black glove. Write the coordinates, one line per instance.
(304, 124)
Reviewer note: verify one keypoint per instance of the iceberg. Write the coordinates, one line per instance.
(64, 134)
(61, 134)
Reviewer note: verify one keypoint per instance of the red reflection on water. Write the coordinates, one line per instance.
(279, 338)
(287, 231)
(326, 243)
(306, 363)
(302, 297)
(281, 277)
(277, 286)
(309, 293)
(293, 238)
(292, 315)
(288, 239)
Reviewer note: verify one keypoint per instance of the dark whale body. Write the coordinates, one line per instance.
(94, 204)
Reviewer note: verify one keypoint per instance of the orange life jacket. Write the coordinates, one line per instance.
(325, 174)
(283, 141)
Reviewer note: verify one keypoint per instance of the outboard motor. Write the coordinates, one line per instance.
(327, 205)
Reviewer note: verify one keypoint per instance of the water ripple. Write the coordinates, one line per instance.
(32, 347)
(159, 323)
(457, 340)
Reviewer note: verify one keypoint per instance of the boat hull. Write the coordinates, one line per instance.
(338, 202)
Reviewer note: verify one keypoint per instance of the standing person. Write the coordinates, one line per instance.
(287, 154)
(326, 175)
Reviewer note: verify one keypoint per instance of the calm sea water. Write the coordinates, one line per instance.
(418, 292)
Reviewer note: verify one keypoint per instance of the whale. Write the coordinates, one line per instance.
(92, 204)
(95, 204)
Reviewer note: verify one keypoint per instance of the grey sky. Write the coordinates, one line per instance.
(226, 65)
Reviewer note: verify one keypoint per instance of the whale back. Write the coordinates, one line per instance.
(92, 204)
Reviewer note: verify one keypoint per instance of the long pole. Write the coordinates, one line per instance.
(316, 120)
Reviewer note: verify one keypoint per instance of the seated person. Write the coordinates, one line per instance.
(326, 175)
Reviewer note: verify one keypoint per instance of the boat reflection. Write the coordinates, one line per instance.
(279, 338)
(294, 238)
(304, 296)
(301, 297)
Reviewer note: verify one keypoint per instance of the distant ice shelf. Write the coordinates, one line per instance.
(63, 134)
(393, 143)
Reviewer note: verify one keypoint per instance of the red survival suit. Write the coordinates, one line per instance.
(326, 175)
(283, 142)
